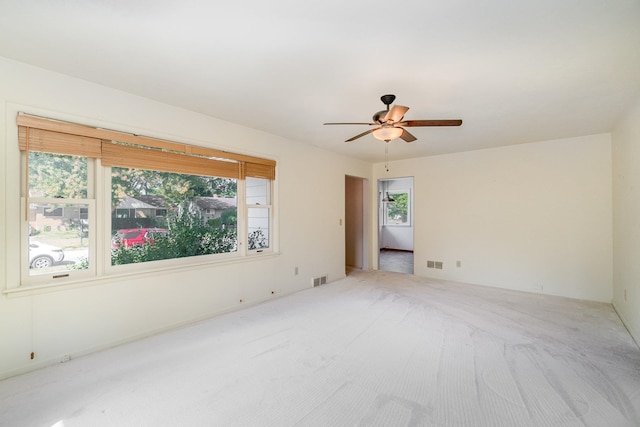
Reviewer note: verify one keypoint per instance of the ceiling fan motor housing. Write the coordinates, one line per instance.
(380, 115)
(377, 117)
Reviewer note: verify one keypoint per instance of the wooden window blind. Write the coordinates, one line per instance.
(144, 158)
(127, 150)
(256, 170)
(58, 143)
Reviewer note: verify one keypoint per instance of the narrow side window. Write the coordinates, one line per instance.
(58, 227)
(259, 215)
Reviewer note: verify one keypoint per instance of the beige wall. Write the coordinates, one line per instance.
(626, 220)
(100, 313)
(533, 217)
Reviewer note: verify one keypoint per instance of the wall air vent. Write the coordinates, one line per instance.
(317, 281)
(435, 264)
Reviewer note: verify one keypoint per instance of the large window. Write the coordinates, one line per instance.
(187, 225)
(163, 201)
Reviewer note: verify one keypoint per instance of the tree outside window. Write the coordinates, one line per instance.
(186, 226)
(397, 212)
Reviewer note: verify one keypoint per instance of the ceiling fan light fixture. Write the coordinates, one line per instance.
(387, 133)
(390, 123)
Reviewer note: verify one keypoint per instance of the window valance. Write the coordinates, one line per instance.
(121, 149)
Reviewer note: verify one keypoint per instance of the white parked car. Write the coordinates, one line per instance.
(42, 255)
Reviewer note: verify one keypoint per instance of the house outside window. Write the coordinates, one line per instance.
(58, 216)
(182, 231)
(52, 212)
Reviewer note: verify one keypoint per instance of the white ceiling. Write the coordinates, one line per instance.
(513, 71)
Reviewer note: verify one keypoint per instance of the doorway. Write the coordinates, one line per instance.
(395, 225)
(356, 241)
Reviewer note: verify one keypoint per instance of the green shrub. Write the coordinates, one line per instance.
(189, 235)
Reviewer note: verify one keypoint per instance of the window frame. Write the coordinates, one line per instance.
(386, 222)
(28, 279)
(168, 263)
(99, 177)
(268, 206)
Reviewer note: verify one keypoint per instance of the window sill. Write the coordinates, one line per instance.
(36, 289)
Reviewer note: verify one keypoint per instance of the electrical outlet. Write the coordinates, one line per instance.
(65, 358)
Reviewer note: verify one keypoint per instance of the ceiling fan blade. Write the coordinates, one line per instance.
(407, 137)
(410, 123)
(360, 135)
(396, 114)
(370, 124)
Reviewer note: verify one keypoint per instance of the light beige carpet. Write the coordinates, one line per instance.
(373, 349)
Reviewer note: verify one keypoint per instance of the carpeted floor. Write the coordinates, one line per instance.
(374, 349)
(395, 260)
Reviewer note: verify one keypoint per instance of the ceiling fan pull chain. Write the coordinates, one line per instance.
(386, 155)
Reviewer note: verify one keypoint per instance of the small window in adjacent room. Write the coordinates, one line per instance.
(398, 211)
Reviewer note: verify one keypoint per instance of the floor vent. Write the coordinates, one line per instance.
(317, 281)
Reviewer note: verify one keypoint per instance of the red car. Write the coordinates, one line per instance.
(136, 236)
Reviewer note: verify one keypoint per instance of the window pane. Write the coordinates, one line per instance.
(397, 212)
(164, 215)
(258, 227)
(257, 191)
(58, 243)
(57, 176)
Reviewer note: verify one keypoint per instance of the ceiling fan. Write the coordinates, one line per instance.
(390, 123)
